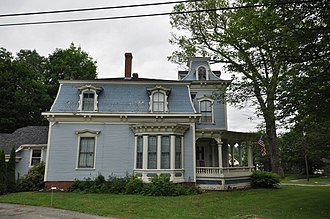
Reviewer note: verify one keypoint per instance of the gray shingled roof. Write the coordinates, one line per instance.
(25, 135)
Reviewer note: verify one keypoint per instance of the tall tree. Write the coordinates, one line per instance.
(29, 83)
(258, 44)
(23, 93)
(71, 63)
(7, 89)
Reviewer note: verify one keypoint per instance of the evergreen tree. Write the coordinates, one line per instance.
(11, 167)
(3, 188)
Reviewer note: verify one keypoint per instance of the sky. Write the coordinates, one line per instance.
(106, 41)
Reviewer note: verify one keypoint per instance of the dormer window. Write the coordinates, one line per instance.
(89, 98)
(206, 109)
(201, 73)
(88, 101)
(158, 99)
(158, 102)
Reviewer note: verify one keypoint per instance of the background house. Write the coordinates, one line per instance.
(30, 143)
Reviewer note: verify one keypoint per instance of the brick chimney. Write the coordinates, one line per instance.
(128, 65)
(135, 76)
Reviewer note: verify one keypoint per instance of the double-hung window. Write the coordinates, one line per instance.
(152, 152)
(178, 152)
(158, 102)
(88, 101)
(139, 152)
(165, 152)
(206, 111)
(35, 157)
(86, 152)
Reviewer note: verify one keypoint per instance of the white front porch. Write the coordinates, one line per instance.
(223, 162)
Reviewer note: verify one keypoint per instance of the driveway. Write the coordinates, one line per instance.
(14, 211)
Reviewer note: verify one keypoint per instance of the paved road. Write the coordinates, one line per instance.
(14, 211)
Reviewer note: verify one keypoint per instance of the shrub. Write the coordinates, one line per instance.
(264, 179)
(134, 185)
(116, 185)
(160, 186)
(34, 179)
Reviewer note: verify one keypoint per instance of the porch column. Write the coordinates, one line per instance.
(159, 151)
(232, 153)
(219, 142)
(172, 151)
(145, 152)
(240, 154)
(249, 155)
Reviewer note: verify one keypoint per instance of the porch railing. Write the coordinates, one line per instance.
(216, 171)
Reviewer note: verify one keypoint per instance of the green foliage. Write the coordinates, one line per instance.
(29, 83)
(11, 167)
(134, 185)
(264, 179)
(71, 63)
(34, 179)
(159, 186)
(265, 48)
(3, 186)
(314, 145)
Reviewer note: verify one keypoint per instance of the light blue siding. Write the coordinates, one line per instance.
(219, 111)
(23, 166)
(114, 152)
(188, 153)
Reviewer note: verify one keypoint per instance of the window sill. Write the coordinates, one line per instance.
(82, 169)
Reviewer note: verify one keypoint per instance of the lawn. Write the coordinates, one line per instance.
(324, 180)
(286, 202)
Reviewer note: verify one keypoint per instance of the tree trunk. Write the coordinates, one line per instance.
(306, 166)
(272, 140)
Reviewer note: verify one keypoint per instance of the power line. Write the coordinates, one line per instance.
(95, 9)
(148, 15)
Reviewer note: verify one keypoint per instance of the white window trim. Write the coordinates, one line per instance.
(89, 89)
(31, 152)
(212, 108)
(165, 91)
(207, 71)
(86, 133)
(172, 151)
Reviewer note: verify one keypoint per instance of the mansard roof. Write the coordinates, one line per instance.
(122, 95)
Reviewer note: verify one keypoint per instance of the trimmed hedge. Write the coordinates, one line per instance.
(264, 179)
(159, 186)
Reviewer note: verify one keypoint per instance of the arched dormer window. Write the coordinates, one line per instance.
(88, 100)
(158, 99)
(158, 102)
(201, 71)
(206, 109)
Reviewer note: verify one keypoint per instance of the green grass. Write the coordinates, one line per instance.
(314, 180)
(286, 202)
